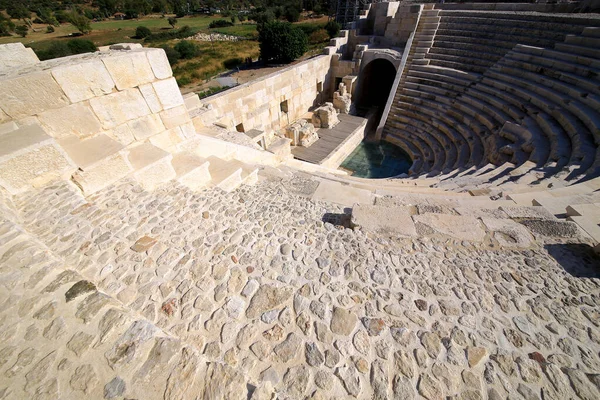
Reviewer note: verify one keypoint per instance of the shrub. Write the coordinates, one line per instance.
(281, 41)
(187, 49)
(78, 46)
(183, 80)
(333, 28)
(319, 36)
(21, 30)
(181, 33)
(220, 23)
(172, 21)
(66, 48)
(142, 32)
(37, 20)
(80, 22)
(49, 29)
(231, 63)
(172, 55)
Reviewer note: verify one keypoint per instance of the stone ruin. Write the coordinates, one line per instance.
(302, 133)
(342, 100)
(325, 116)
(141, 256)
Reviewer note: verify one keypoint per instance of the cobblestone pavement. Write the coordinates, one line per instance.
(181, 295)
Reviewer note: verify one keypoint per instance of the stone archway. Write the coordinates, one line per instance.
(374, 84)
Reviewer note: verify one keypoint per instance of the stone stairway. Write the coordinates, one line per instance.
(100, 161)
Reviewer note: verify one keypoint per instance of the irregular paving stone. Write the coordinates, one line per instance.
(115, 388)
(374, 326)
(267, 298)
(350, 379)
(38, 373)
(314, 357)
(404, 363)
(379, 380)
(402, 388)
(289, 348)
(125, 347)
(78, 289)
(343, 321)
(162, 352)
(527, 392)
(432, 343)
(222, 382)
(91, 305)
(361, 342)
(585, 389)
(84, 379)
(475, 355)
(428, 387)
(143, 244)
(296, 381)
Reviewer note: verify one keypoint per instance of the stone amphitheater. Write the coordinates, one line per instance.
(155, 246)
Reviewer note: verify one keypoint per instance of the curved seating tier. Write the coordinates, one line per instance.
(502, 87)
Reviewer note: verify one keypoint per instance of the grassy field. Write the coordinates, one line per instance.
(209, 63)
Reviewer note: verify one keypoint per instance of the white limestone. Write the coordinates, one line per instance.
(84, 80)
(118, 108)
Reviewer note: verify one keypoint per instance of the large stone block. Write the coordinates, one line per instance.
(151, 97)
(30, 94)
(152, 165)
(389, 221)
(76, 119)
(91, 152)
(103, 174)
(117, 108)
(15, 55)
(175, 117)
(168, 140)
(147, 126)
(29, 157)
(129, 68)
(159, 63)
(121, 134)
(168, 93)
(84, 80)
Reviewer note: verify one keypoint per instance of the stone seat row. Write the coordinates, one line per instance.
(97, 162)
(561, 119)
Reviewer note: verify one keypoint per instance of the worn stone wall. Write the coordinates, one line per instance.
(260, 104)
(127, 95)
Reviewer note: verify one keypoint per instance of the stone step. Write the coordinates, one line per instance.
(8, 127)
(192, 101)
(587, 41)
(226, 175)
(591, 32)
(558, 205)
(152, 165)
(31, 158)
(590, 211)
(191, 170)
(590, 227)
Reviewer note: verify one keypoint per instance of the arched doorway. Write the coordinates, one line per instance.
(373, 88)
(374, 83)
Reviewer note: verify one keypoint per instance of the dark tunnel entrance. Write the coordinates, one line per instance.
(374, 85)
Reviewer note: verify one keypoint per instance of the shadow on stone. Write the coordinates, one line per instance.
(342, 220)
(577, 259)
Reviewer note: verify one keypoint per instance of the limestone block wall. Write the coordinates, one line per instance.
(274, 101)
(127, 95)
(391, 23)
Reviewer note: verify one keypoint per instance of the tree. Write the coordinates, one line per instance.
(22, 30)
(333, 28)
(80, 22)
(281, 41)
(18, 11)
(172, 21)
(142, 32)
(187, 49)
(49, 29)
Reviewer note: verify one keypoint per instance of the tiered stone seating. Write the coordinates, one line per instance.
(510, 87)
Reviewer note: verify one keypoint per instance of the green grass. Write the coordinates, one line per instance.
(246, 30)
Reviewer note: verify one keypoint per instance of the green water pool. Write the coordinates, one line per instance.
(377, 160)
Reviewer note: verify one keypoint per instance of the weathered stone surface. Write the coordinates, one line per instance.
(115, 388)
(78, 289)
(343, 321)
(125, 347)
(223, 382)
(118, 108)
(267, 298)
(296, 381)
(459, 227)
(289, 348)
(31, 94)
(129, 69)
(74, 120)
(82, 81)
(350, 379)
